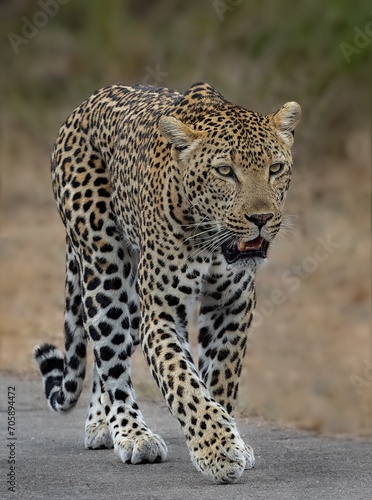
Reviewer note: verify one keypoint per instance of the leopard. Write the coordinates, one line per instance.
(170, 201)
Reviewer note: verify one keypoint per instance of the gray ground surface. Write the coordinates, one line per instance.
(51, 462)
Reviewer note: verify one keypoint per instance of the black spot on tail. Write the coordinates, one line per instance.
(48, 358)
(43, 349)
(50, 383)
(48, 365)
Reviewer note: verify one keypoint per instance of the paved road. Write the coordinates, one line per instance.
(52, 464)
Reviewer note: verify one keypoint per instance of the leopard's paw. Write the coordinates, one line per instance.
(145, 448)
(220, 455)
(98, 436)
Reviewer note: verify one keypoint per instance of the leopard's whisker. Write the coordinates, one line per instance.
(214, 242)
(194, 236)
(228, 238)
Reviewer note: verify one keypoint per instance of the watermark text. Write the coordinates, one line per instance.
(11, 440)
(30, 27)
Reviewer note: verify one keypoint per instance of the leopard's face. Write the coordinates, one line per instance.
(236, 170)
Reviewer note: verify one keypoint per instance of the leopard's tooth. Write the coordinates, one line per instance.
(242, 245)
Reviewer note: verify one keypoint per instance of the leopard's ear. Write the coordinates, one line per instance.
(286, 120)
(179, 135)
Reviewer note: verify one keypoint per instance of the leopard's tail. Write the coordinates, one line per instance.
(62, 375)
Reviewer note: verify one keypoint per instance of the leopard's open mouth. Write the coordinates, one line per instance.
(239, 250)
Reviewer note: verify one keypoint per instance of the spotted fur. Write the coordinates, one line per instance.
(155, 188)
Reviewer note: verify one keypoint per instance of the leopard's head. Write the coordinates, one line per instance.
(236, 167)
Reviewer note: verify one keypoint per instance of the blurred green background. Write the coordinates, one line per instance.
(256, 52)
(304, 361)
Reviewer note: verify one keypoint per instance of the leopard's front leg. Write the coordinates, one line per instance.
(225, 317)
(215, 445)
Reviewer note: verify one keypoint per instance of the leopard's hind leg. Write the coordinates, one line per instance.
(111, 318)
(97, 432)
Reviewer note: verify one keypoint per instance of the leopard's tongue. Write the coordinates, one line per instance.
(255, 244)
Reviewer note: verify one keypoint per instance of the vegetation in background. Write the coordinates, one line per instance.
(257, 53)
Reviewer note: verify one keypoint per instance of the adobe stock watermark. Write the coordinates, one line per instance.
(31, 27)
(361, 383)
(223, 6)
(362, 39)
(293, 278)
(154, 76)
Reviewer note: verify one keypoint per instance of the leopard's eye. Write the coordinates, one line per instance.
(276, 168)
(225, 171)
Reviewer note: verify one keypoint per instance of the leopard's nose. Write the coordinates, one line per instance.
(259, 219)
